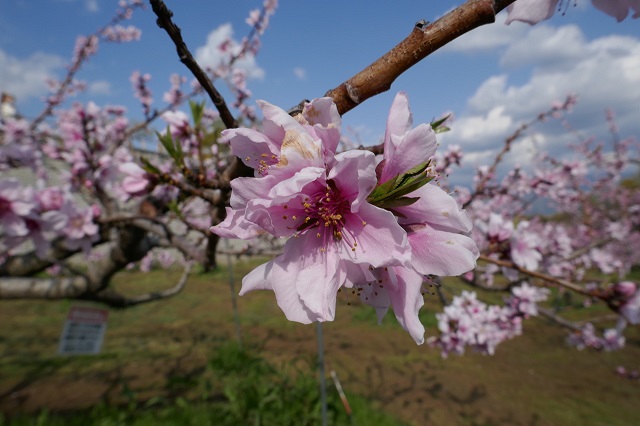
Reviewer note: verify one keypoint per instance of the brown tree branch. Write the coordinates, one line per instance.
(423, 41)
(116, 300)
(164, 21)
(42, 288)
(548, 278)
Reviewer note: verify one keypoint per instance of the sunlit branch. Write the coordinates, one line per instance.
(425, 39)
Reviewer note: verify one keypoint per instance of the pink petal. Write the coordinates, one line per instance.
(435, 207)
(235, 226)
(416, 148)
(252, 147)
(322, 111)
(619, 9)
(316, 275)
(531, 11)
(277, 121)
(399, 121)
(271, 275)
(442, 253)
(406, 299)
(354, 174)
(381, 241)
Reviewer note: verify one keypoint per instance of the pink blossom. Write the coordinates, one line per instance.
(618, 9)
(80, 231)
(15, 204)
(630, 308)
(332, 226)
(534, 11)
(136, 181)
(318, 199)
(436, 227)
(586, 337)
(524, 244)
(141, 90)
(120, 34)
(397, 287)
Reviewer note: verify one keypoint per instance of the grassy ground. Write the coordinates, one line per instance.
(161, 352)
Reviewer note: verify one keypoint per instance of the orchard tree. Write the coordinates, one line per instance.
(381, 223)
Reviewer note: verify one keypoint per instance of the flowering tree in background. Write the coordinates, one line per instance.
(381, 223)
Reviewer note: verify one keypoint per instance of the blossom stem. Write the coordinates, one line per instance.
(557, 281)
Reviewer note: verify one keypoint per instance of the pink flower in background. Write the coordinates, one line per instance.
(15, 203)
(524, 243)
(136, 181)
(630, 308)
(80, 230)
(499, 229)
(469, 322)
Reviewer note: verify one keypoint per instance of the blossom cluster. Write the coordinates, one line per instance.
(586, 337)
(375, 225)
(469, 322)
(39, 217)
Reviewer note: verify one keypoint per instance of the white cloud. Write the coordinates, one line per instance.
(300, 73)
(546, 48)
(25, 78)
(482, 127)
(101, 87)
(487, 37)
(210, 54)
(91, 6)
(604, 72)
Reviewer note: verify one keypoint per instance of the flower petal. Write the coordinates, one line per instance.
(415, 148)
(442, 253)
(435, 207)
(271, 275)
(399, 121)
(406, 300)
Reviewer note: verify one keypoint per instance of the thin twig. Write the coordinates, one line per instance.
(164, 21)
(557, 281)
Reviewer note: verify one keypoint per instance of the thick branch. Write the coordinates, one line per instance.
(42, 288)
(171, 240)
(116, 300)
(164, 21)
(423, 40)
(558, 319)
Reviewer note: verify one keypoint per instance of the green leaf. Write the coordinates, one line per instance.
(173, 207)
(392, 193)
(438, 123)
(197, 111)
(398, 202)
(148, 167)
(167, 142)
(174, 149)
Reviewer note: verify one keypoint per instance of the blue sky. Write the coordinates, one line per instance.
(492, 78)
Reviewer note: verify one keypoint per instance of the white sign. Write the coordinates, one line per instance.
(83, 331)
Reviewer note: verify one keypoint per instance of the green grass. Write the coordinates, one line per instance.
(173, 362)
